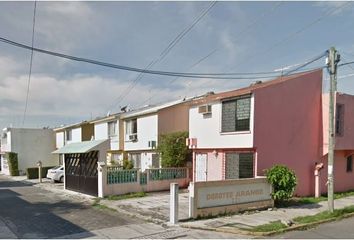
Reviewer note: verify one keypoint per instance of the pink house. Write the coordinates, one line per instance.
(240, 133)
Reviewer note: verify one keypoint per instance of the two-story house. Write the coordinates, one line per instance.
(240, 133)
(142, 128)
(110, 127)
(31, 146)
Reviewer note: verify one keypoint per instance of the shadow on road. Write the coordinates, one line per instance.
(36, 220)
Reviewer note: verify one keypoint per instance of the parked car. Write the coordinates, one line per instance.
(56, 173)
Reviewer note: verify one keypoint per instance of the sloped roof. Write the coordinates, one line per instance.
(79, 147)
(251, 88)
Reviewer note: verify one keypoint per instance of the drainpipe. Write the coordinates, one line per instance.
(318, 167)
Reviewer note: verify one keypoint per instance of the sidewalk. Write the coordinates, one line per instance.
(232, 223)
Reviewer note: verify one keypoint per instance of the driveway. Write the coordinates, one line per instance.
(155, 206)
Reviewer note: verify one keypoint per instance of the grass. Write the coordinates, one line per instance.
(126, 196)
(337, 214)
(269, 227)
(96, 204)
(312, 200)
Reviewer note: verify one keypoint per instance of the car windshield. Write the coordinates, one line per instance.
(54, 168)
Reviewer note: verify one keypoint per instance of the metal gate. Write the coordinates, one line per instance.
(81, 172)
(201, 167)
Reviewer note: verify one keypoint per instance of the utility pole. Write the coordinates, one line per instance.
(332, 61)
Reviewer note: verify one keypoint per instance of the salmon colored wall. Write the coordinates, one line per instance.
(346, 142)
(343, 180)
(173, 119)
(215, 166)
(288, 127)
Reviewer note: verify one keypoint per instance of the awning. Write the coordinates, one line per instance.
(80, 147)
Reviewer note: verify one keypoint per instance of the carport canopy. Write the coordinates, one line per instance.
(80, 147)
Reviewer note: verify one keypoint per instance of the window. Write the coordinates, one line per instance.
(339, 119)
(112, 129)
(236, 114)
(68, 134)
(239, 165)
(350, 163)
(136, 159)
(131, 127)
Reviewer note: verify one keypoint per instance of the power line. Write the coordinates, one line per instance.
(307, 63)
(31, 61)
(299, 31)
(241, 33)
(162, 55)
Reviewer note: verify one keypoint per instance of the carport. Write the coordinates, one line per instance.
(80, 165)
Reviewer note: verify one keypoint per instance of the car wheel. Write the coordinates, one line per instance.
(61, 179)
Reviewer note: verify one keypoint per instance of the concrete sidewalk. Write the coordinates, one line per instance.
(249, 220)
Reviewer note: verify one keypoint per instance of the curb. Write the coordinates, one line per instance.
(235, 230)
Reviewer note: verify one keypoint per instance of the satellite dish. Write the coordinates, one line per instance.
(123, 109)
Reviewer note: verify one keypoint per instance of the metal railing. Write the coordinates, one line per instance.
(166, 173)
(116, 175)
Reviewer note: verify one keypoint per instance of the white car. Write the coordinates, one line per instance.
(56, 173)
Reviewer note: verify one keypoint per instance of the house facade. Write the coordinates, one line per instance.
(31, 146)
(142, 128)
(240, 133)
(110, 127)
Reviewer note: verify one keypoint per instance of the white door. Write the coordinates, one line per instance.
(201, 167)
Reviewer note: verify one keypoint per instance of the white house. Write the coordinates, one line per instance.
(110, 127)
(31, 146)
(143, 127)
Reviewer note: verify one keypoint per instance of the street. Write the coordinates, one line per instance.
(342, 229)
(29, 211)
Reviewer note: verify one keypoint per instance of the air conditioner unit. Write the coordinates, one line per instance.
(205, 109)
(152, 144)
(133, 137)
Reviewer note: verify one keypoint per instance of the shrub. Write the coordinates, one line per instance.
(13, 163)
(173, 150)
(283, 181)
(32, 173)
(127, 164)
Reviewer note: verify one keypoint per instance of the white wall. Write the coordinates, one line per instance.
(59, 137)
(33, 145)
(147, 131)
(6, 142)
(101, 132)
(75, 135)
(207, 130)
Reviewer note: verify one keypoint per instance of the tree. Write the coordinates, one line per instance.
(127, 164)
(283, 181)
(173, 150)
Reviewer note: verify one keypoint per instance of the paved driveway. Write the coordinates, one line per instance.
(32, 212)
(155, 206)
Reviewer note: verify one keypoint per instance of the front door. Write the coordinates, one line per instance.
(201, 167)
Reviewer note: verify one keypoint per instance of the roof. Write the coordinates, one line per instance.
(106, 118)
(251, 88)
(153, 108)
(70, 126)
(79, 147)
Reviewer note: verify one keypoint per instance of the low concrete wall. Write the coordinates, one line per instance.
(105, 189)
(220, 197)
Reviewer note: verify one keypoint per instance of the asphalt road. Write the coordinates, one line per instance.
(31, 211)
(343, 229)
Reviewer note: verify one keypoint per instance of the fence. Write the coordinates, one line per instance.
(115, 181)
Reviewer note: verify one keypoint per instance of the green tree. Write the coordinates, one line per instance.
(127, 164)
(12, 160)
(283, 181)
(173, 150)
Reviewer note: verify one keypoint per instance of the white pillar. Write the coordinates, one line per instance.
(102, 179)
(191, 200)
(173, 203)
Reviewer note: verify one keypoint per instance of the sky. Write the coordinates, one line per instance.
(241, 37)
